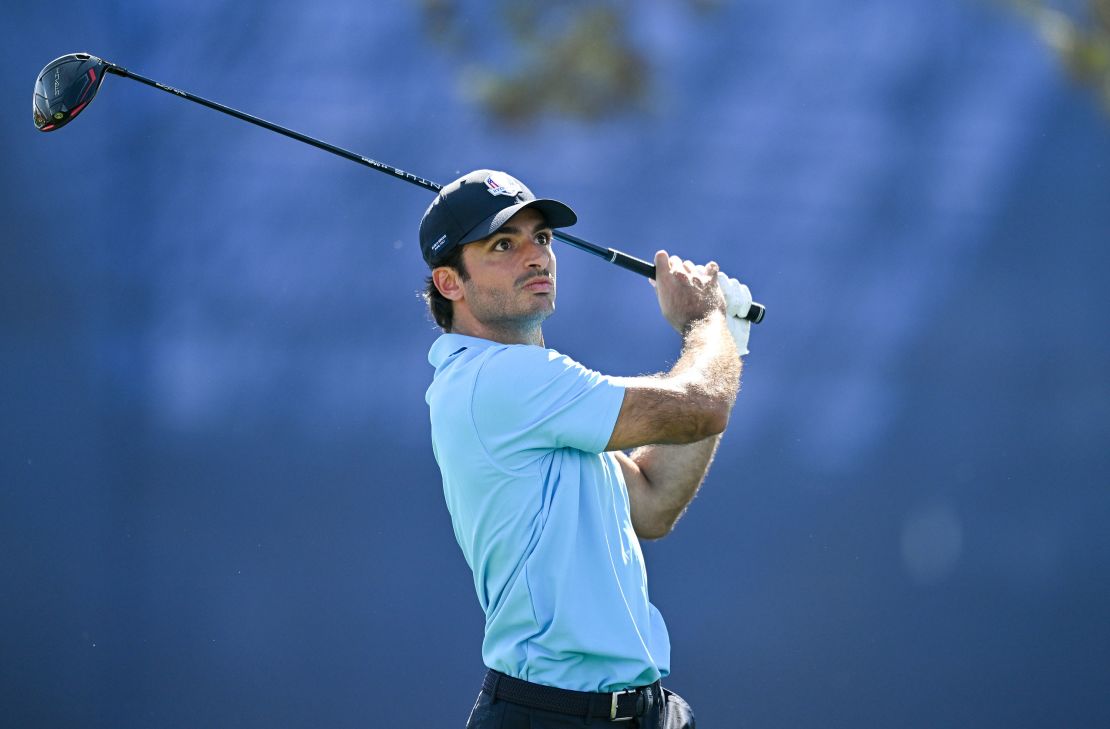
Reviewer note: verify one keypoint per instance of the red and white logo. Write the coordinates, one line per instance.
(501, 184)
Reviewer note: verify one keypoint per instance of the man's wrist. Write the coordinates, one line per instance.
(708, 319)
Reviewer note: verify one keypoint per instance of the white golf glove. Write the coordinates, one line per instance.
(738, 300)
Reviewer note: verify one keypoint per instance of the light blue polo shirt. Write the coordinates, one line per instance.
(541, 513)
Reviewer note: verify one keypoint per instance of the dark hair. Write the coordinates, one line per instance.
(441, 308)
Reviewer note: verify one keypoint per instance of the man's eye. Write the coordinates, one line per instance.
(503, 245)
(544, 239)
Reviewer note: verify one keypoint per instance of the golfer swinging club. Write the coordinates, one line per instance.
(546, 506)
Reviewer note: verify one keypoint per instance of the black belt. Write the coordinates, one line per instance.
(615, 706)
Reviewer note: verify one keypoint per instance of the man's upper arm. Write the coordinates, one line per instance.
(663, 409)
(640, 506)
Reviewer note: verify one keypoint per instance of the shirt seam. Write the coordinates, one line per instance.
(473, 420)
(535, 620)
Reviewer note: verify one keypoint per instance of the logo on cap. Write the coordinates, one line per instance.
(509, 187)
(439, 243)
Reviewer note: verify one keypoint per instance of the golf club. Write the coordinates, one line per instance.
(69, 83)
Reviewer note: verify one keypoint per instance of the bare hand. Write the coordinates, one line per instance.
(687, 292)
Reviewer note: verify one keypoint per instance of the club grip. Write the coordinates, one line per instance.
(755, 313)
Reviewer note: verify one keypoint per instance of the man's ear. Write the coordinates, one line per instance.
(449, 283)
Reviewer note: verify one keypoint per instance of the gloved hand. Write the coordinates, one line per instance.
(738, 299)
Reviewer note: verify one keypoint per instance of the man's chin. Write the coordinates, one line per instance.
(541, 310)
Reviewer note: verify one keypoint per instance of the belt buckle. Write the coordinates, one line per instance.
(613, 706)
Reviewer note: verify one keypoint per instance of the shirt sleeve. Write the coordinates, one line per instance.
(531, 397)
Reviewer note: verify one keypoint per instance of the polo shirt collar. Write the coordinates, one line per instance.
(450, 344)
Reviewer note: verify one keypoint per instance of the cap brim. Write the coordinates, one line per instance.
(555, 213)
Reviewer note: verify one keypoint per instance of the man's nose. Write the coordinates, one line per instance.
(538, 256)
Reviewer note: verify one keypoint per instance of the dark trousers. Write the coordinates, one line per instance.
(666, 710)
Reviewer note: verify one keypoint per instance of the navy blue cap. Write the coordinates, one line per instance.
(474, 206)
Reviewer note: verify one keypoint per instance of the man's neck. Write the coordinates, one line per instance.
(504, 335)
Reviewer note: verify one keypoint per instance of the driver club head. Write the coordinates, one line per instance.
(65, 87)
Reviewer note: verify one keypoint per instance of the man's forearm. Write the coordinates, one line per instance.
(709, 361)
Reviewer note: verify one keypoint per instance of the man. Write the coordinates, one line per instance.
(546, 506)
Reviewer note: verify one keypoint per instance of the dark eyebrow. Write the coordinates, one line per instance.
(513, 230)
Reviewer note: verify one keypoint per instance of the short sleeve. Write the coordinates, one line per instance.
(531, 397)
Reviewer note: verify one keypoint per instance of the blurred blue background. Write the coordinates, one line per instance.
(218, 501)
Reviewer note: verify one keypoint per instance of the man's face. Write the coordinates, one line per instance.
(512, 274)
